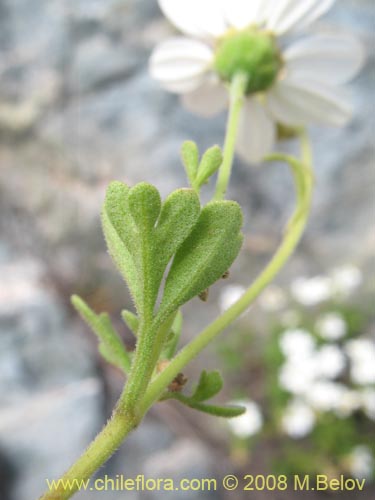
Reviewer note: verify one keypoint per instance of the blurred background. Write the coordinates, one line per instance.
(77, 110)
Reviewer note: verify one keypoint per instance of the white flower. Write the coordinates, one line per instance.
(298, 420)
(331, 326)
(298, 375)
(346, 279)
(297, 343)
(312, 291)
(368, 402)
(330, 361)
(304, 87)
(350, 401)
(325, 395)
(229, 295)
(362, 356)
(249, 423)
(362, 462)
(272, 299)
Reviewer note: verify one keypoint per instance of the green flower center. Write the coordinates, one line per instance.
(252, 52)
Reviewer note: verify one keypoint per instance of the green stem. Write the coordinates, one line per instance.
(99, 451)
(237, 92)
(303, 182)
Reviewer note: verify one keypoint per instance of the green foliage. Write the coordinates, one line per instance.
(110, 344)
(190, 159)
(210, 384)
(172, 343)
(131, 320)
(197, 172)
(204, 256)
(143, 235)
(229, 411)
(211, 161)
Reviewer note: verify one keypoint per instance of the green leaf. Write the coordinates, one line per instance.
(190, 159)
(121, 237)
(131, 320)
(204, 256)
(229, 411)
(144, 205)
(211, 161)
(172, 343)
(179, 215)
(143, 235)
(210, 383)
(110, 344)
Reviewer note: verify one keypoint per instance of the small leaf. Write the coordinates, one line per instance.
(144, 205)
(131, 320)
(171, 345)
(110, 344)
(211, 161)
(179, 214)
(204, 256)
(210, 383)
(229, 411)
(190, 159)
(121, 237)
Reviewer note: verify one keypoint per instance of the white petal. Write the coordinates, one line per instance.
(202, 18)
(308, 102)
(257, 132)
(180, 64)
(288, 15)
(208, 100)
(240, 13)
(331, 59)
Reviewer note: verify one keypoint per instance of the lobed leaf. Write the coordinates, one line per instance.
(190, 160)
(230, 411)
(211, 161)
(110, 344)
(210, 384)
(204, 256)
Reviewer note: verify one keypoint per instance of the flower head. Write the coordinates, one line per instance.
(288, 84)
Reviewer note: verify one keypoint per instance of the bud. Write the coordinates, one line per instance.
(251, 52)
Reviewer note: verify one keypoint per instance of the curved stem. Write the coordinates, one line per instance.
(99, 451)
(237, 92)
(303, 183)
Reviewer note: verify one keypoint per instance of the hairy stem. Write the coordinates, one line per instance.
(237, 92)
(98, 452)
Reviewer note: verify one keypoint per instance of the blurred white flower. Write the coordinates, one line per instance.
(331, 326)
(325, 395)
(362, 357)
(346, 279)
(312, 291)
(362, 462)
(298, 375)
(298, 420)
(272, 299)
(249, 423)
(350, 402)
(330, 361)
(297, 343)
(368, 402)
(363, 373)
(294, 85)
(229, 295)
